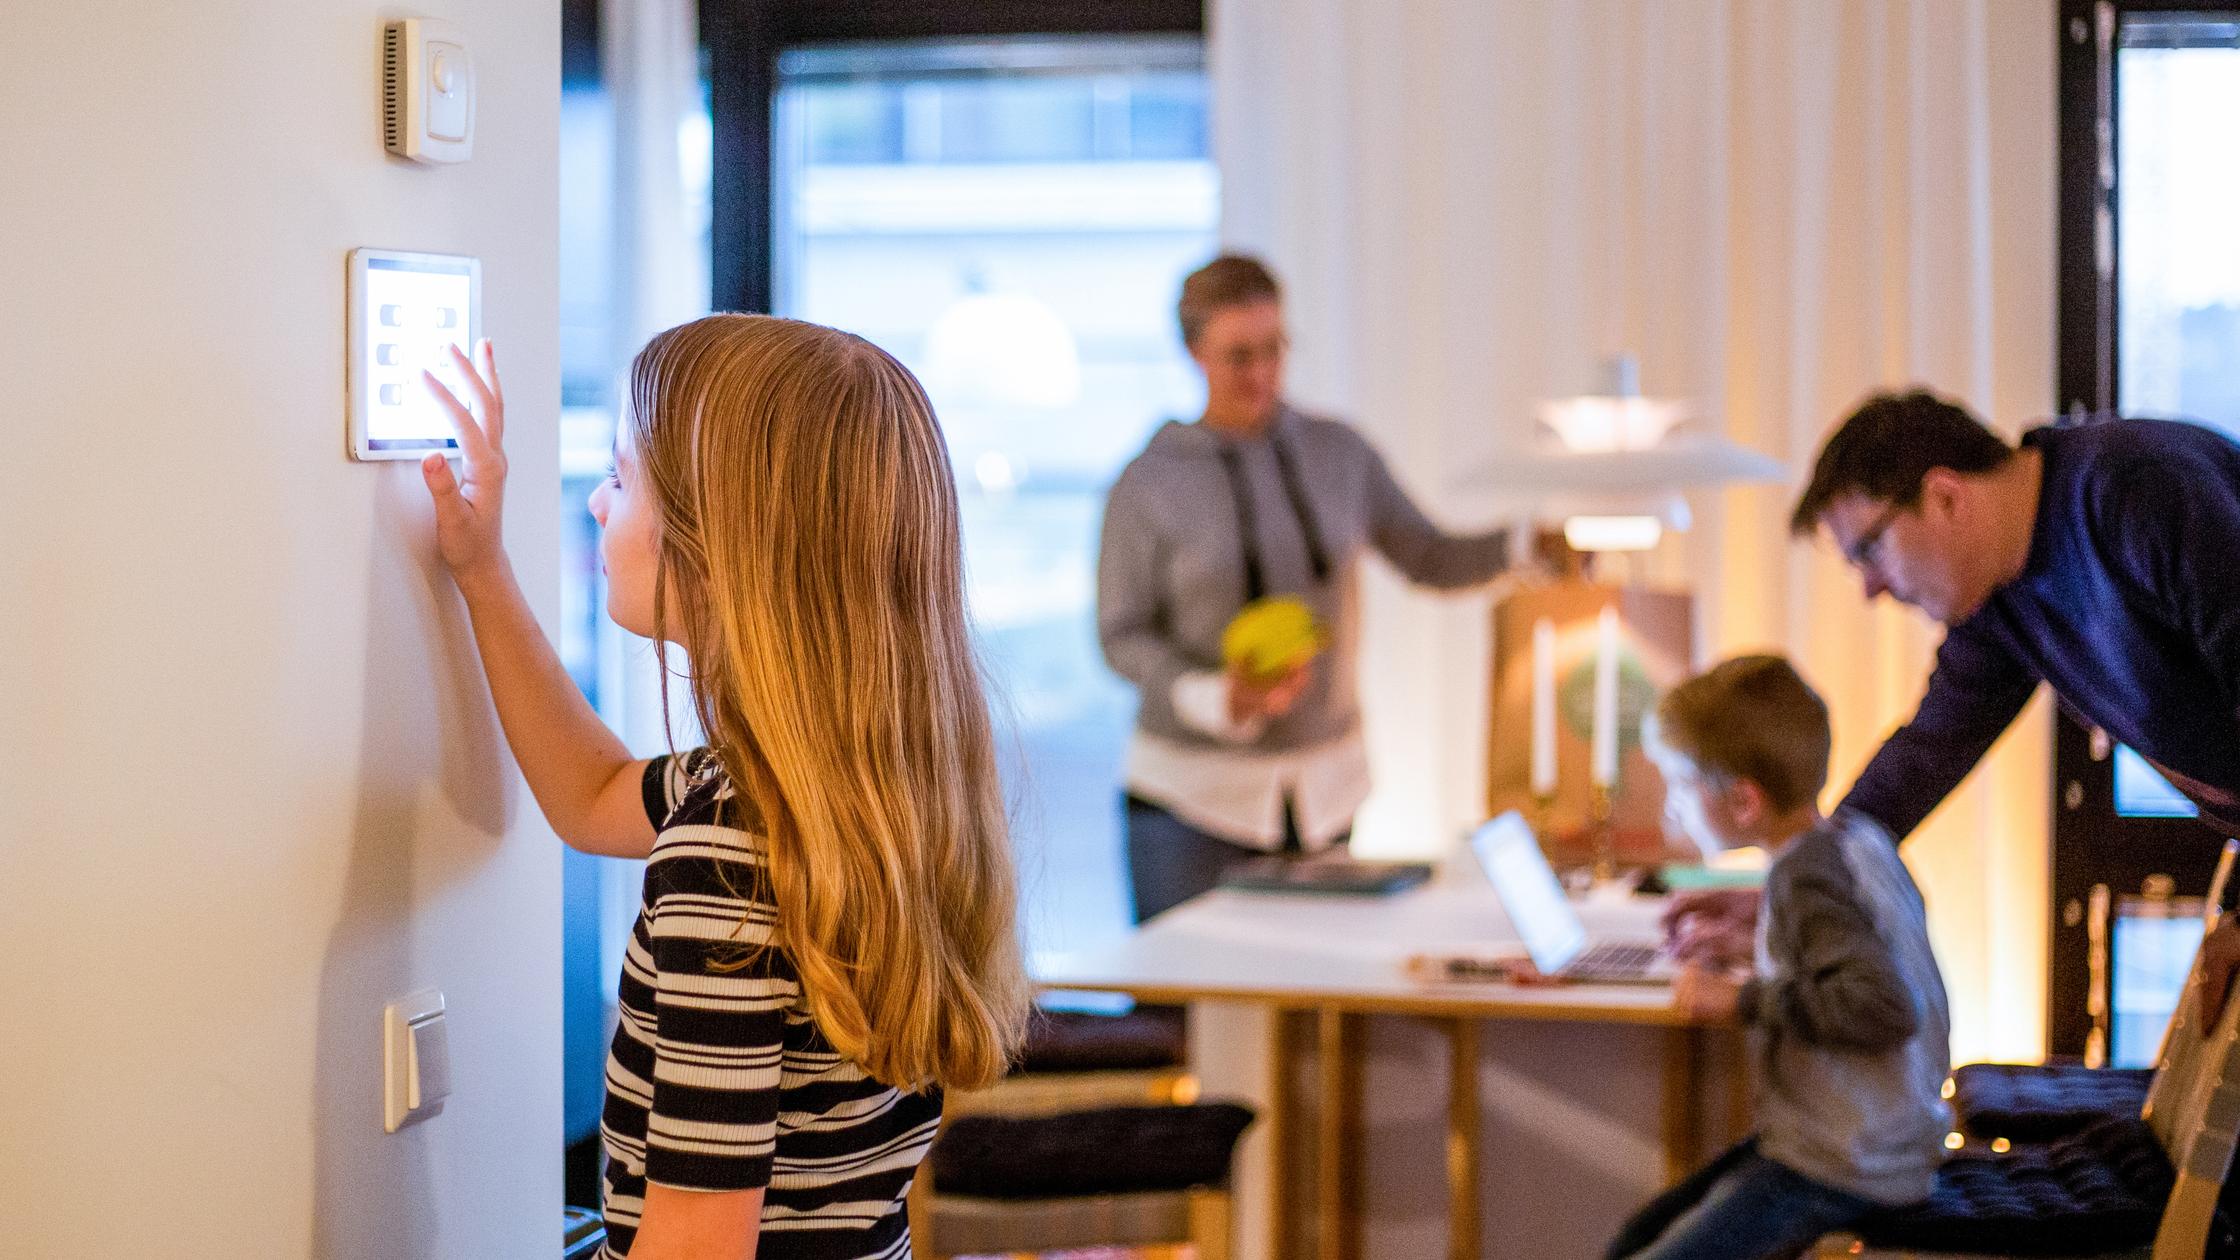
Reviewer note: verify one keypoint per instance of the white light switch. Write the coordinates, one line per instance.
(416, 1060)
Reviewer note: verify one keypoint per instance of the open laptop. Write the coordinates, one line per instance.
(1553, 935)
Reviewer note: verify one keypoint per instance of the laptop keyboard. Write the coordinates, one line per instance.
(1613, 960)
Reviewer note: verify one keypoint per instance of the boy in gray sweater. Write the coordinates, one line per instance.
(1846, 1011)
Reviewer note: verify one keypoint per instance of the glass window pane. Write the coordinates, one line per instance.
(1167, 117)
(2142, 793)
(1021, 251)
(2179, 180)
(2152, 954)
(1029, 119)
(853, 122)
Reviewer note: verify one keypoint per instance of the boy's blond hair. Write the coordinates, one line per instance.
(1752, 718)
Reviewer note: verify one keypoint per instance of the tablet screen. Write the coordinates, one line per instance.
(408, 310)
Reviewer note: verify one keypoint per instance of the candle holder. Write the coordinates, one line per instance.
(1543, 812)
(1602, 833)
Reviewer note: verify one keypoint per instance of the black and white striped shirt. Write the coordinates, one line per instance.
(719, 1079)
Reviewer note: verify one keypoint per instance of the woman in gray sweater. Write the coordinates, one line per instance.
(1254, 499)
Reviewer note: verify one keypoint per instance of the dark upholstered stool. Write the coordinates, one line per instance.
(1109, 1176)
(2128, 1185)
(2097, 1190)
(1110, 1150)
(1147, 1038)
(2037, 1103)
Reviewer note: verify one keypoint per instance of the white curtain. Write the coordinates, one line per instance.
(1780, 205)
(650, 60)
(650, 64)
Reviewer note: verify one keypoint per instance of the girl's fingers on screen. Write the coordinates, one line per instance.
(497, 426)
(473, 381)
(471, 440)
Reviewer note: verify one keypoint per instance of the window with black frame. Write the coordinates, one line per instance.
(2150, 313)
(1012, 218)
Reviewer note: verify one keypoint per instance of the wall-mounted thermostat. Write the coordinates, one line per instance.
(406, 312)
(427, 91)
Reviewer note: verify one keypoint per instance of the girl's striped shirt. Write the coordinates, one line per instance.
(718, 1079)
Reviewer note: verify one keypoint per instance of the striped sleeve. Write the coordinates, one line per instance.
(668, 778)
(721, 1026)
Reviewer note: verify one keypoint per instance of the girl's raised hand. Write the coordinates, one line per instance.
(469, 505)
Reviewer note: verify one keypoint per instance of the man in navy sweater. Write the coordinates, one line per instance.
(2102, 558)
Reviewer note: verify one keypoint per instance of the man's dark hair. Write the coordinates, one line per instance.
(1885, 447)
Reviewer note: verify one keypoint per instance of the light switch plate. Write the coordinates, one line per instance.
(415, 1059)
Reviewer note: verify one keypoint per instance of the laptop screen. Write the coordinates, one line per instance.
(1529, 891)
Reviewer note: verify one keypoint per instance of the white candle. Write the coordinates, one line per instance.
(1543, 708)
(1605, 760)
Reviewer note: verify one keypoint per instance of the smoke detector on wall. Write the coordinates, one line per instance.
(427, 91)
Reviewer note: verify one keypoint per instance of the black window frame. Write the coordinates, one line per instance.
(2091, 843)
(740, 43)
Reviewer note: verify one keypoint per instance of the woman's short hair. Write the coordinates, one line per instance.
(1887, 445)
(1230, 280)
(1752, 718)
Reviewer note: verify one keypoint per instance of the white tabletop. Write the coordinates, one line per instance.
(1295, 949)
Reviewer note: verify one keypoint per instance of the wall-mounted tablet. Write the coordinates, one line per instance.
(406, 311)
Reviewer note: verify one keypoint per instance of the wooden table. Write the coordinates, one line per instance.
(1331, 962)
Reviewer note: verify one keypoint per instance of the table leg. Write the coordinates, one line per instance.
(1740, 1115)
(1683, 1082)
(1277, 1121)
(1463, 1119)
(1337, 1136)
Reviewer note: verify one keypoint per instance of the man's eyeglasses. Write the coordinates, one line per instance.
(1867, 547)
(1243, 357)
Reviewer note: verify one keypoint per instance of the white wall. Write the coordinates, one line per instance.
(250, 785)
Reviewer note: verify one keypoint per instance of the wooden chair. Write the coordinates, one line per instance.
(2193, 1115)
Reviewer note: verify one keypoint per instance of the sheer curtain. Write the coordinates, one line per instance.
(651, 58)
(650, 51)
(1779, 205)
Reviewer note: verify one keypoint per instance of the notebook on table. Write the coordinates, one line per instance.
(1336, 875)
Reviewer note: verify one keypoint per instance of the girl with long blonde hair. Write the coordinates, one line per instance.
(827, 937)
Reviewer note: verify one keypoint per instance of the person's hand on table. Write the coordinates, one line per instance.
(1713, 927)
(1524, 974)
(1254, 697)
(2220, 957)
(1708, 994)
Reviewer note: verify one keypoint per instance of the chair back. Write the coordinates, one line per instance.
(2198, 1131)
(2175, 1063)
(2219, 881)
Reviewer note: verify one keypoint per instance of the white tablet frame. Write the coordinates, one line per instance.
(361, 332)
